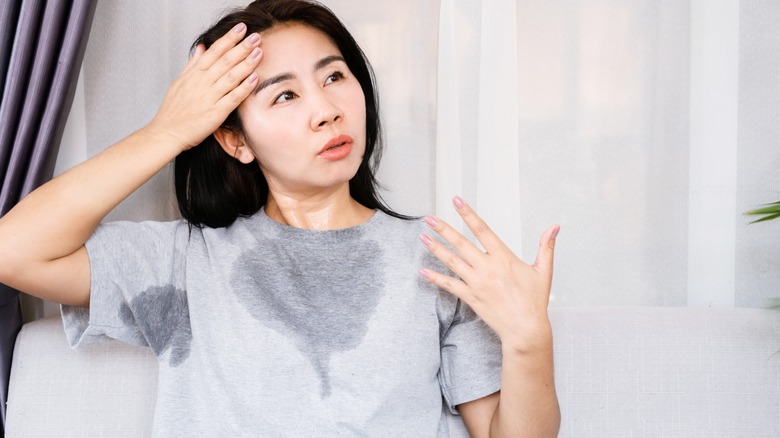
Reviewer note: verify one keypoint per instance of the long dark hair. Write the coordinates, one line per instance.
(213, 188)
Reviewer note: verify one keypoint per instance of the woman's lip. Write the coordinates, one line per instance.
(337, 153)
(336, 141)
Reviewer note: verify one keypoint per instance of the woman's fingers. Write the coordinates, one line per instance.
(229, 58)
(222, 46)
(227, 86)
(228, 61)
(451, 285)
(489, 240)
(237, 94)
(452, 261)
(214, 83)
(199, 50)
(463, 246)
(232, 75)
(546, 253)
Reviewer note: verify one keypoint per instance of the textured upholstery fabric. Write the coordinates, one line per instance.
(107, 390)
(620, 372)
(667, 372)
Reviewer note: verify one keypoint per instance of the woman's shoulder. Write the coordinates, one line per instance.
(128, 240)
(403, 225)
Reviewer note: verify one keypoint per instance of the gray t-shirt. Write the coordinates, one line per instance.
(262, 329)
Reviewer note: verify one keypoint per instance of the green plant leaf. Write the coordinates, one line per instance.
(774, 208)
(769, 211)
(767, 218)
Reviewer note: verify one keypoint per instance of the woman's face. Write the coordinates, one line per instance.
(306, 120)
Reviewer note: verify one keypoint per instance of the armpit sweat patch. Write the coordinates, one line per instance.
(165, 322)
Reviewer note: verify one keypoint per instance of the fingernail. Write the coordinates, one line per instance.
(426, 239)
(254, 38)
(255, 53)
(425, 274)
(252, 78)
(555, 232)
(458, 202)
(431, 221)
(240, 27)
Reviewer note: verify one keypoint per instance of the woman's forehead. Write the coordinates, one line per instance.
(298, 37)
(294, 49)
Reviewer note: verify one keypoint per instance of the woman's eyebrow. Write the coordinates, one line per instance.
(322, 63)
(273, 80)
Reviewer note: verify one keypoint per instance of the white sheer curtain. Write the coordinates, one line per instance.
(644, 128)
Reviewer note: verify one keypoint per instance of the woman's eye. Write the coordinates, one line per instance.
(334, 77)
(284, 97)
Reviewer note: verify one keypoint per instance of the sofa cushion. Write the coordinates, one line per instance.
(620, 372)
(667, 372)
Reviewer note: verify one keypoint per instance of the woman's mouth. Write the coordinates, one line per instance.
(337, 148)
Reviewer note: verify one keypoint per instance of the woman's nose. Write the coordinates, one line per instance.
(324, 111)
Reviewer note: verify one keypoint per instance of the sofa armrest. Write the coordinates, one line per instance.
(102, 390)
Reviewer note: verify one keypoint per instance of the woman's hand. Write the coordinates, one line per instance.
(213, 83)
(508, 294)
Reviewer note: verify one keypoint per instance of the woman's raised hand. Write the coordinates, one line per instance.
(213, 83)
(508, 294)
(42, 238)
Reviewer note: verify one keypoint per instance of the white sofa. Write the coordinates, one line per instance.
(620, 372)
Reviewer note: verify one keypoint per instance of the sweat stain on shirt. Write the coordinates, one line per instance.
(165, 322)
(297, 302)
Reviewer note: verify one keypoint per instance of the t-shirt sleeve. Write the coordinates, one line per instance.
(137, 292)
(470, 357)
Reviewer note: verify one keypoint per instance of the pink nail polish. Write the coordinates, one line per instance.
(458, 202)
(252, 78)
(431, 221)
(255, 53)
(254, 38)
(426, 239)
(425, 274)
(555, 232)
(240, 27)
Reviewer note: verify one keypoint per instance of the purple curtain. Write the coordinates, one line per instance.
(42, 44)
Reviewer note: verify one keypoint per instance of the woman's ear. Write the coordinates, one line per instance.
(234, 144)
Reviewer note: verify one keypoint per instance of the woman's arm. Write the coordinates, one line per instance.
(511, 297)
(42, 238)
(526, 405)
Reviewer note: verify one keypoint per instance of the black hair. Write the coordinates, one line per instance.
(213, 188)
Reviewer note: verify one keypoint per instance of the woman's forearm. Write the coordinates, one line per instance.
(56, 220)
(528, 404)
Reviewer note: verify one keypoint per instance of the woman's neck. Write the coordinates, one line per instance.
(320, 211)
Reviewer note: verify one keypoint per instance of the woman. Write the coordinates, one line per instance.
(291, 302)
